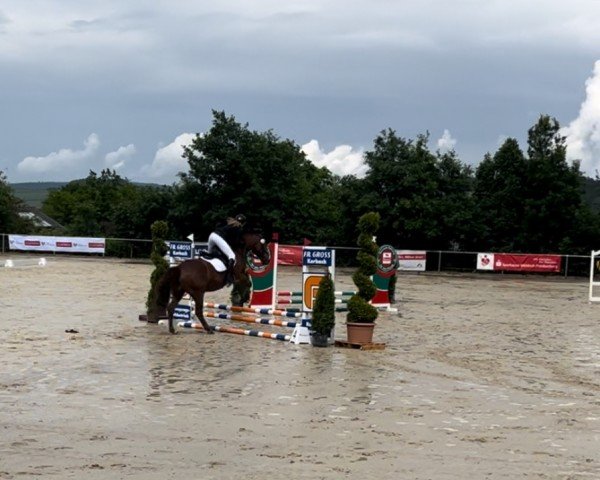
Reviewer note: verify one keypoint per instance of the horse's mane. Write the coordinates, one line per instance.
(252, 228)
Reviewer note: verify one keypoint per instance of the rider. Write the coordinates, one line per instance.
(225, 235)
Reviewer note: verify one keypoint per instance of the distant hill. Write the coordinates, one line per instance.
(34, 193)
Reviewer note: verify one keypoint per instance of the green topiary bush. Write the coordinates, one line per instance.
(323, 315)
(160, 230)
(359, 308)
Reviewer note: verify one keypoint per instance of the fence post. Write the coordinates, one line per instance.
(440, 261)
(566, 266)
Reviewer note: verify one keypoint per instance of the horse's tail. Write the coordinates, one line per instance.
(162, 291)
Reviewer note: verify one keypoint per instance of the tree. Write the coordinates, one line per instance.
(499, 195)
(423, 199)
(10, 221)
(401, 183)
(160, 230)
(108, 205)
(359, 308)
(553, 190)
(456, 206)
(270, 180)
(323, 315)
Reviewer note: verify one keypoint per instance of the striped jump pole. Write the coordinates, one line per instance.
(238, 331)
(289, 301)
(259, 311)
(247, 319)
(338, 293)
(296, 301)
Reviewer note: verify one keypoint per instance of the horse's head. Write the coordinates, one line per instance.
(255, 243)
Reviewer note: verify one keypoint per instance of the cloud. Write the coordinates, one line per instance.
(583, 133)
(62, 161)
(168, 160)
(4, 20)
(115, 160)
(342, 160)
(446, 143)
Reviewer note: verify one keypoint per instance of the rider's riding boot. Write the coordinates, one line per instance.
(229, 276)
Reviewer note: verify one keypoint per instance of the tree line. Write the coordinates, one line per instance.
(513, 201)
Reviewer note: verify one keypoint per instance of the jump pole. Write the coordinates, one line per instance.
(233, 330)
(594, 267)
(260, 311)
(338, 293)
(248, 319)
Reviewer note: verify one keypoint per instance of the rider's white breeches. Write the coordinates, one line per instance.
(215, 240)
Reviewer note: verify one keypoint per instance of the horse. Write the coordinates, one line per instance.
(198, 276)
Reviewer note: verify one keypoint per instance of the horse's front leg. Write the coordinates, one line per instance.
(170, 312)
(176, 297)
(199, 301)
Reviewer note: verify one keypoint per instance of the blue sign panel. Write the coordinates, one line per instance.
(182, 312)
(180, 249)
(317, 256)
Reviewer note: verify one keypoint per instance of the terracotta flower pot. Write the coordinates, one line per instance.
(360, 332)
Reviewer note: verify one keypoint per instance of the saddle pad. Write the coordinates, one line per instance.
(217, 264)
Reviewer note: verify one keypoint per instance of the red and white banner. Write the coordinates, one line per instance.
(412, 260)
(518, 262)
(290, 255)
(42, 243)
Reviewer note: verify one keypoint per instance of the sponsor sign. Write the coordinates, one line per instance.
(182, 312)
(180, 250)
(44, 243)
(412, 260)
(387, 259)
(526, 263)
(517, 262)
(254, 263)
(290, 255)
(310, 287)
(317, 256)
(485, 261)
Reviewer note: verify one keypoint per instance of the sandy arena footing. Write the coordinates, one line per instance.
(483, 376)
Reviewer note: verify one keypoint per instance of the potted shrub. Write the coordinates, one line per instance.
(323, 314)
(360, 320)
(159, 230)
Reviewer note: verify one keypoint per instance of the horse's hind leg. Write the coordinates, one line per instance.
(199, 301)
(176, 296)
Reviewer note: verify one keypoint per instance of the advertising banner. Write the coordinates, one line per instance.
(485, 261)
(42, 243)
(317, 256)
(512, 262)
(180, 250)
(290, 255)
(519, 262)
(412, 260)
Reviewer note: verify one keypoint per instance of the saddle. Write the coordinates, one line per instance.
(218, 260)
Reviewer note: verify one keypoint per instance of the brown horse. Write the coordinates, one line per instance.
(197, 276)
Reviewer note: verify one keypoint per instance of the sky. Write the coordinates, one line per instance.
(123, 85)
